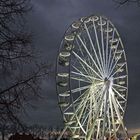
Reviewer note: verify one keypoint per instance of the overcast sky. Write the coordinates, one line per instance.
(48, 22)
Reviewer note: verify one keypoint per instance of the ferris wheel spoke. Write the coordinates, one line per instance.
(80, 111)
(96, 95)
(81, 72)
(80, 80)
(112, 114)
(97, 40)
(91, 42)
(120, 86)
(90, 55)
(105, 114)
(120, 77)
(85, 95)
(82, 67)
(118, 70)
(95, 103)
(88, 71)
(88, 60)
(106, 48)
(119, 105)
(103, 47)
(84, 62)
(99, 123)
(110, 52)
(82, 108)
(81, 103)
(118, 94)
(81, 126)
(80, 47)
(79, 98)
(90, 132)
(109, 123)
(111, 63)
(93, 94)
(118, 113)
(99, 69)
(116, 107)
(79, 89)
(86, 76)
(114, 67)
(94, 108)
(78, 117)
(84, 121)
(76, 110)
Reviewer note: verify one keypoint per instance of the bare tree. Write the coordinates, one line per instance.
(19, 73)
(123, 2)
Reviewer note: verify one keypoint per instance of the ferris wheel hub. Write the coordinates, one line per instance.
(106, 79)
(107, 82)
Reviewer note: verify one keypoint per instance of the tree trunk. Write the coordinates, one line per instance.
(2, 134)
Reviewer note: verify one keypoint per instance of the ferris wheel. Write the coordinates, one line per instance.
(92, 79)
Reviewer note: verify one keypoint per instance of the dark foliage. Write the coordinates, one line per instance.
(23, 136)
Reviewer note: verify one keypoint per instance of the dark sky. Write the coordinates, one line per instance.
(50, 19)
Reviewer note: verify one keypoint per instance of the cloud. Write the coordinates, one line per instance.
(49, 21)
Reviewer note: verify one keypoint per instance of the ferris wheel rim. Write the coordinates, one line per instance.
(70, 70)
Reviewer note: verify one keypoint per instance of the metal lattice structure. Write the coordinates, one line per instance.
(92, 79)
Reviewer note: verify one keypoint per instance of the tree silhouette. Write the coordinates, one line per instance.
(123, 2)
(20, 73)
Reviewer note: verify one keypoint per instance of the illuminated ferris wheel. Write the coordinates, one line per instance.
(92, 79)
